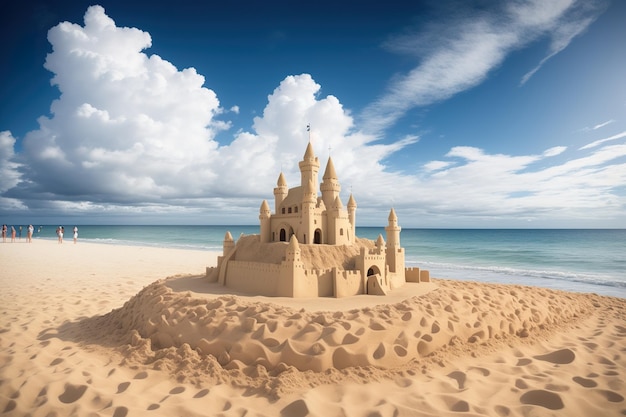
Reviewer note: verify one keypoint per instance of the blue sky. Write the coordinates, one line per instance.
(494, 114)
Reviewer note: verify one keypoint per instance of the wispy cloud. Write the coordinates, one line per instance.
(600, 125)
(459, 53)
(574, 22)
(601, 141)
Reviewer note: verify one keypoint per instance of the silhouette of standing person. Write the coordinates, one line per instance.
(29, 233)
(75, 234)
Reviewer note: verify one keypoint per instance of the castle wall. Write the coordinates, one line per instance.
(314, 283)
(412, 274)
(348, 283)
(253, 277)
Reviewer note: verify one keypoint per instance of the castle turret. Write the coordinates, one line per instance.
(264, 219)
(309, 167)
(228, 244)
(395, 254)
(352, 214)
(292, 254)
(380, 243)
(280, 192)
(330, 186)
(309, 200)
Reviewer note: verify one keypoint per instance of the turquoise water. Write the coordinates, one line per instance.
(573, 260)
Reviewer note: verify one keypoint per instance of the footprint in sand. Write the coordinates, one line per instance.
(543, 398)
(559, 357)
(177, 390)
(459, 377)
(56, 362)
(120, 412)
(10, 406)
(587, 383)
(201, 393)
(611, 396)
(72, 393)
(122, 387)
(141, 375)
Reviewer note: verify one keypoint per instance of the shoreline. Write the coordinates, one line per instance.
(84, 331)
(496, 275)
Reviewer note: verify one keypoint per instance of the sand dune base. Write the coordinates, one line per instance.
(111, 337)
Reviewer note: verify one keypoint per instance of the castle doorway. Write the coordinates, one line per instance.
(283, 235)
(317, 239)
(373, 271)
(371, 280)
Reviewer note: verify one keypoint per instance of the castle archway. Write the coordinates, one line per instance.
(373, 271)
(285, 232)
(317, 238)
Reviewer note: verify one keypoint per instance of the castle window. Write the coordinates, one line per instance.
(283, 210)
(295, 209)
(341, 232)
(289, 211)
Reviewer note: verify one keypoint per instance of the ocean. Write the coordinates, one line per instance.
(566, 259)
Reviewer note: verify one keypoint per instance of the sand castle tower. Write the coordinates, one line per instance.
(395, 253)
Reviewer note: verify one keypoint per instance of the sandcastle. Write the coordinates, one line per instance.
(308, 247)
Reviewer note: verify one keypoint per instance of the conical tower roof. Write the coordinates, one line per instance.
(329, 173)
(309, 154)
(351, 201)
(281, 181)
(293, 245)
(338, 204)
(392, 215)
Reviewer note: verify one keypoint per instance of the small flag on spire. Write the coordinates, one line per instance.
(308, 127)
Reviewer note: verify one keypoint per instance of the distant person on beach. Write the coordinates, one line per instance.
(60, 234)
(29, 233)
(13, 234)
(75, 234)
(4, 233)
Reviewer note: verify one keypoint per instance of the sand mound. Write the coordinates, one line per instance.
(244, 335)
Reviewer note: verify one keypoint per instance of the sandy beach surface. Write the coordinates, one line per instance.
(107, 330)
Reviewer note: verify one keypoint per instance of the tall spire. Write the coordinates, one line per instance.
(329, 173)
(281, 180)
(309, 166)
(309, 154)
(351, 201)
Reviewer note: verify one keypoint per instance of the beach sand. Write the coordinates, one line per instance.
(105, 330)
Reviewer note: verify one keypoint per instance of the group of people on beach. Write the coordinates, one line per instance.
(17, 233)
(30, 230)
(61, 231)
